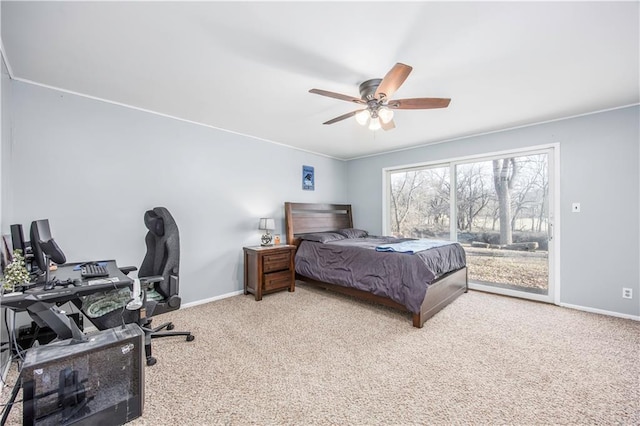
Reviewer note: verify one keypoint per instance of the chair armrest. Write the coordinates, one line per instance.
(145, 281)
(174, 287)
(127, 269)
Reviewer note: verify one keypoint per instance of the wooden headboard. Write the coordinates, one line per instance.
(302, 218)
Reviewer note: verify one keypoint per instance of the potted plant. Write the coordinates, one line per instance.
(15, 274)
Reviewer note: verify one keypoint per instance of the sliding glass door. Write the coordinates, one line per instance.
(499, 208)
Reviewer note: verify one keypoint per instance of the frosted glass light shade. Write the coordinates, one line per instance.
(385, 114)
(362, 117)
(374, 124)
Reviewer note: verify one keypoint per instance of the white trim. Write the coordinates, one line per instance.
(3, 52)
(92, 328)
(555, 213)
(386, 210)
(148, 111)
(212, 299)
(490, 132)
(518, 294)
(600, 311)
(527, 149)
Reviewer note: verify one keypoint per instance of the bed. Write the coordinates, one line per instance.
(432, 290)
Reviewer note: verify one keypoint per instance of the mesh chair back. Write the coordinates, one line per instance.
(163, 249)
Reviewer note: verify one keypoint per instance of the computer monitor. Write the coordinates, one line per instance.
(17, 239)
(44, 247)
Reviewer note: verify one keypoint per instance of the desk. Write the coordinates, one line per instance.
(42, 304)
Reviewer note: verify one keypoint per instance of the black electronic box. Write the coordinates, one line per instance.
(98, 381)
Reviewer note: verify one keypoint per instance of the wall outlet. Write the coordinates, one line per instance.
(627, 293)
(575, 207)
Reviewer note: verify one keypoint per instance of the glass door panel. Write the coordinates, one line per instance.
(419, 203)
(503, 221)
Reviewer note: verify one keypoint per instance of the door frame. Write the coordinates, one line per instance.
(553, 151)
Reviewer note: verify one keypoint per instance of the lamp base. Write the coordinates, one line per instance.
(267, 240)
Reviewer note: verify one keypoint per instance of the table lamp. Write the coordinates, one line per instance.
(267, 224)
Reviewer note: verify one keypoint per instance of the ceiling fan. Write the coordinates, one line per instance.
(375, 96)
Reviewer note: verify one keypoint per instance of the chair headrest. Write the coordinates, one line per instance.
(154, 223)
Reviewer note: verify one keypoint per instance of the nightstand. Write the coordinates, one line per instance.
(268, 269)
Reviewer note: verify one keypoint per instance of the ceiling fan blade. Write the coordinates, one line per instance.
(393, 80)
(387, 126)
(342, 117)
(419, 103)
(337, 96)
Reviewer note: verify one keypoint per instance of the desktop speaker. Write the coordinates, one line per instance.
(99, 381)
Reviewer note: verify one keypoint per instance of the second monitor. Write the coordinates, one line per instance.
(44, 248)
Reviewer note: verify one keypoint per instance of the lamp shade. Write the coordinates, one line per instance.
(267, 223)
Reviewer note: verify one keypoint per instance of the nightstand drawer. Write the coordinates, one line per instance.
(276, 262)
(276, 280)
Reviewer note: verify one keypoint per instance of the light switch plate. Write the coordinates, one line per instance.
(575, 207)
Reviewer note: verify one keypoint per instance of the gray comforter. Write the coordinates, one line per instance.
(355, 263)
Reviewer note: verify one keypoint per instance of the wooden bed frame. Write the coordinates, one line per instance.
(303, 218)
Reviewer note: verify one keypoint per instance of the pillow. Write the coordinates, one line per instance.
(353, 233)
(321, 237)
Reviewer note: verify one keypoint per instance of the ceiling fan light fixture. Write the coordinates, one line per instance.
(374, 124)
(362, 117)
(375, 104)
(385, 114)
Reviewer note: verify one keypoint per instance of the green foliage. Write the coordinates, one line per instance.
(15, 273)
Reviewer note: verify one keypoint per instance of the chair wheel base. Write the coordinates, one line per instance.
(190, 337)
(151, 361)
(170, 326)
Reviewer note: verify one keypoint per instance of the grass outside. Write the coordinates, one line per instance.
(511, 267)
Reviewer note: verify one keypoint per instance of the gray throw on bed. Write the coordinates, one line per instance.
(354, 262)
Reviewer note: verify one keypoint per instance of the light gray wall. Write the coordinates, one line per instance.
(4, 119)
(599, 163)
(5, 149)
(94, 168)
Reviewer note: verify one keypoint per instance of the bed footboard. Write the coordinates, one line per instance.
(440, 293)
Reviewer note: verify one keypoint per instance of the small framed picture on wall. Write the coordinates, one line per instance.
(308, 178)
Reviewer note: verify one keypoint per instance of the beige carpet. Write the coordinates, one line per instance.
(312, 357)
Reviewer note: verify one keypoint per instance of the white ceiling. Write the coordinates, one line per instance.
(247, 67)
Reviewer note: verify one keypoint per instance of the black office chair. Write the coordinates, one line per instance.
(159, 276)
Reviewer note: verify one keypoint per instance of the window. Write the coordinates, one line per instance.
(501, 210)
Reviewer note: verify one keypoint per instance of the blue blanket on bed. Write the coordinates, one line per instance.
(412, 246)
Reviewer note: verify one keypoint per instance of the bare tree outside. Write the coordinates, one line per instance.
(420, 203)
(504, 174)
(473, 194)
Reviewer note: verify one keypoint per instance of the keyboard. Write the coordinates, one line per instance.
(92, 270)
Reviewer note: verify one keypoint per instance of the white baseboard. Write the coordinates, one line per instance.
(601, 311)
(91, 328)
(212, 299)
